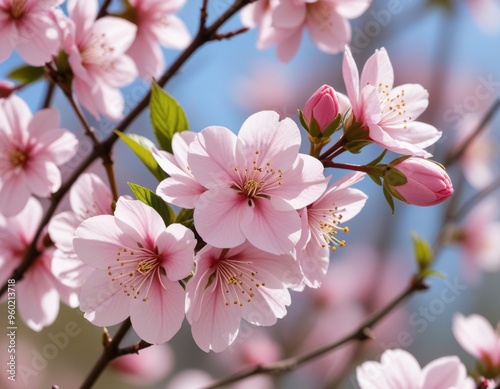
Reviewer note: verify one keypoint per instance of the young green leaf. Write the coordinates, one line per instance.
(153, 200)
(423, 252)
(26, 74)
(167, 117)
(139, 145)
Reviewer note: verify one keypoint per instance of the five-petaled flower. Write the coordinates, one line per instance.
(139, 263)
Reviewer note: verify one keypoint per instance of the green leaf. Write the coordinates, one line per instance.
(432, 273)
(154, 201)
(388, 198)
(185, 217)
(141, 146)
(167, 117)
(423, 252)
(26, 74)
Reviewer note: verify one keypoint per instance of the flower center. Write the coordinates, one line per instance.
(326, 223)
(135, 271)
(18, 158)
(97, 51)
(18, 8)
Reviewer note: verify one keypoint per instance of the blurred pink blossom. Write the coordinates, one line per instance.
(156, 25)
(256, 181)
(180, 188)
(31, 149)
(89, 197)
(39, 292)
(399, 369)
(150, 366)
(281, 22)
(486, 13)
(231, 284)
(96, 52)
(138, 264)
(27, 25)
(386, 112)
(320, 225)
(427, 182)
(478, 337)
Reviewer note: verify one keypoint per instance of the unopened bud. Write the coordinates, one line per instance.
(323, 106)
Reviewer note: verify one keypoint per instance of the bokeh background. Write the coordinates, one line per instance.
(456, 57)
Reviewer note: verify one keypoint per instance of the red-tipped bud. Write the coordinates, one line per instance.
(323, 105)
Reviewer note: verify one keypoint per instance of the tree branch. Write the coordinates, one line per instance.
(363, 332)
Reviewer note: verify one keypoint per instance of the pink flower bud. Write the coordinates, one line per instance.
(323, 105)
(427, 183)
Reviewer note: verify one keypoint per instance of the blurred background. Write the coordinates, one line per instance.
(454, 52)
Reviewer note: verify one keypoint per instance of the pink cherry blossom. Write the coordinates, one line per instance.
(486, 13)
(399, 369)
(256, 181)
(88, 197)
(39, 291)
(231, 284)
(180, 188)
(27, 25)
(320, 225)
(386, 112)
(150, 366)
(281, 22)
(138, 264)
(96, 52)
(427, 182)
(478, 337)
(156, 25)
(31, 149)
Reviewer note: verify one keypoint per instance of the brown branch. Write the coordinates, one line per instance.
(104, 9)
(51, 87)
(104, 147)
(363, 332)
(229, 35)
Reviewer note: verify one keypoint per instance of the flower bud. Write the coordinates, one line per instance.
(427, 183)
(323, 106)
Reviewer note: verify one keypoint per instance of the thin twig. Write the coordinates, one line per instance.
(51, 86)
(104, 9)
(363, 332)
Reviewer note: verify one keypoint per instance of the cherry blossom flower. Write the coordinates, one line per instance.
(26, 25)
(386, 112)
(180, 188)
(39, 292)
(281, 22)
(478, 337)
(320, 225)
(138, 265)
(230, 284)
(256, 181)
(31, 148)
(399, 369)
(88, 197)
(96, 53)
(156, 25)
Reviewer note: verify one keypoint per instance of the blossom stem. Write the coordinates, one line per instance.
(363, 332)
(51, 87)
(204, 35)
(347, 166)
(333, 151)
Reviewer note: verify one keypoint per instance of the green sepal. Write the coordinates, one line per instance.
(167, 117)
(432, 273)
(355, 146)
(399, 160)
(333, 126)
(138, 144)
(423, 253)
(378, 159)
(303, 120)
(394, 177)
(375, 178)
(150, 198)
(26, 74)
(314, 128)
(388, 198)
(393, 191)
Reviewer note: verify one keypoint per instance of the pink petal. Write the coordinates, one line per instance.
(351, 81)
(159, 318)
(252, 14)
(167, 161)
(266, 306)
(218, 323)
(180, 148)
(14, 194)
(89, 196)
(62, 228)
(176, 245)
(147, 56)
(218, 215)
(37, 47)
(180, 190)
(38, 300)
(264, 138)
(378, 70)
(378, 135)
(7, 28)
(212, 156)
(418, 134)
(352, 8)
(84, 94)
(401, 369)
(173, 34)
(329, 34)
(289, 15)
(475, 334)
(370, 375)
(416, 100)
(288, 45)
(103, 301)
(122, 72)
(118, 32)
(83, 13)
(17, 116)
(314, 261)
(43, 178)
(443, 372)
(270, 230)
(69, 270)
(109, 100)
